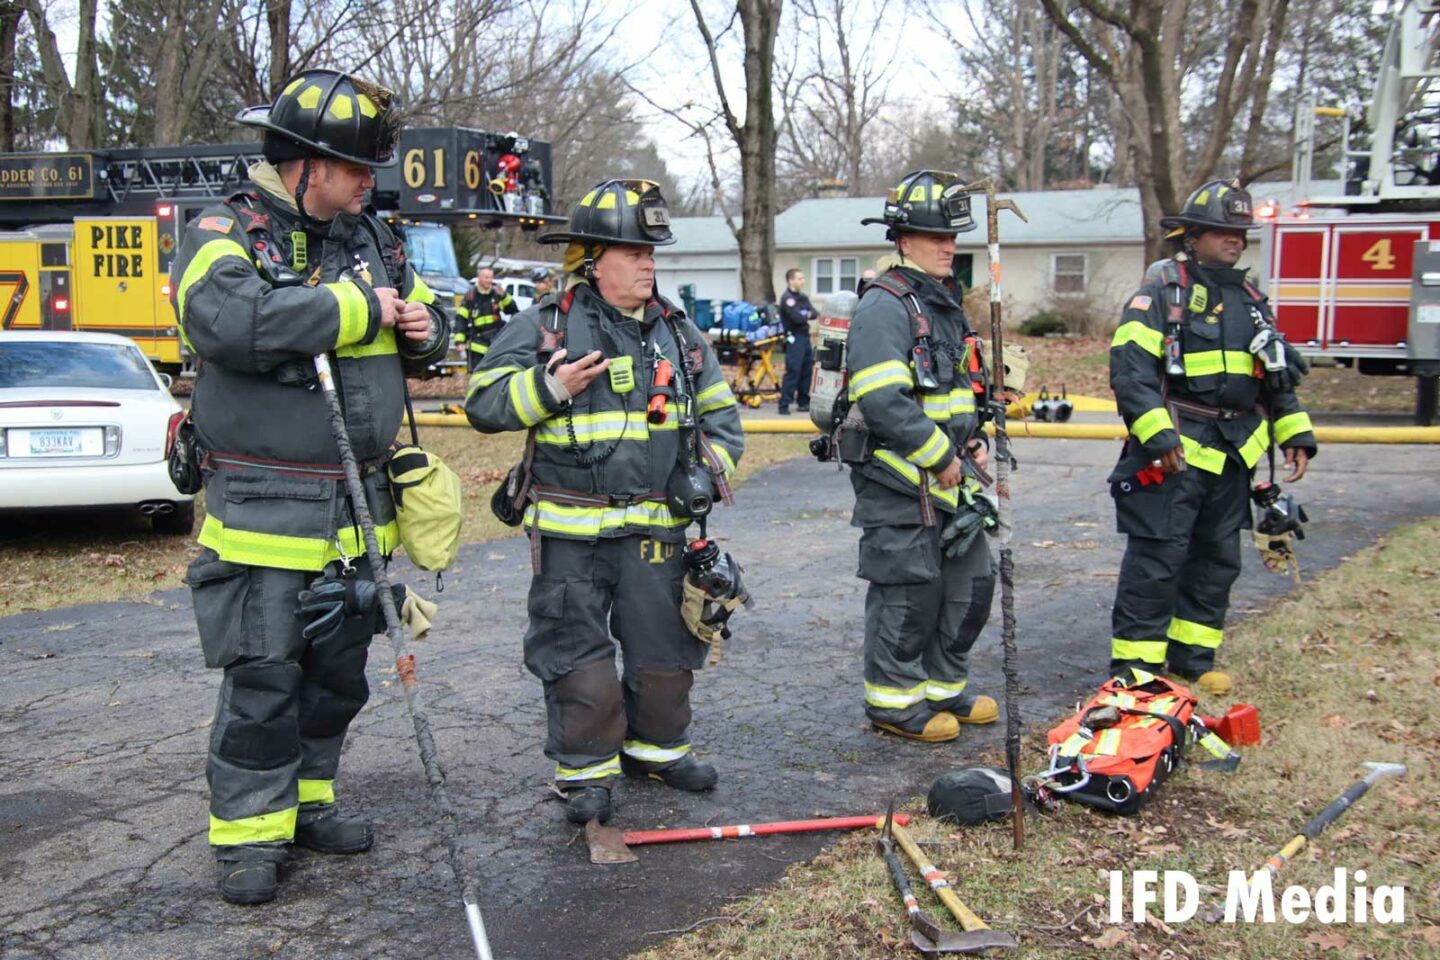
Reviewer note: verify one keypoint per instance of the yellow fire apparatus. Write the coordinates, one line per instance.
(87, 239)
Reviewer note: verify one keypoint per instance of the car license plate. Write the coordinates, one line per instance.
(73, 442)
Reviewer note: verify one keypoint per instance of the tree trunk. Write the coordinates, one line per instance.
(760, 21)
(277, 18)
(87, 117)
(9, 30)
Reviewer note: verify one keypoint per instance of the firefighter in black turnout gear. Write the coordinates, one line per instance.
(796, 312)
(912, 437)
(478, 318)
(1206, 387)
(630, 422)
(282, 592)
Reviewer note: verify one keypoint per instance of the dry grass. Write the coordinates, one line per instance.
(1345, 672)
(57, 560)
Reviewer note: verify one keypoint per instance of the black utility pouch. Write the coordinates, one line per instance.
(185, 456)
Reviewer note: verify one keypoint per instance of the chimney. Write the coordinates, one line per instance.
(831, 189)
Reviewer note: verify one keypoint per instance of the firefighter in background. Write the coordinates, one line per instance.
(477, 319)
(543, 282)
(915, 466)
(282, 592)
(796, 312)
(578, 371)
(1202, 411)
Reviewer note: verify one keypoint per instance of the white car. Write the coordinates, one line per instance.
(85, 421)
(518, 287)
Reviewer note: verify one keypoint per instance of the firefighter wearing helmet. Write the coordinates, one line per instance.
(917, 383)
(1206, 387)
(625, 404)
(281, 589)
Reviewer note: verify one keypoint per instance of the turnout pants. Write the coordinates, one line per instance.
(285, 702)
(923, 613)
(586, 593)
(1181, 560)
(799, 365)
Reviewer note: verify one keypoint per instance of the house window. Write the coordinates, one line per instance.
(1068, 273)
(835, 273)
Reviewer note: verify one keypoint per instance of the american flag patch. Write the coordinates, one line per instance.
(215, 224)
(1141, 302)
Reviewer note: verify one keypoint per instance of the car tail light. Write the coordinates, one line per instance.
(61, 304)
(172, 428)
(163, 210)
(112, 440)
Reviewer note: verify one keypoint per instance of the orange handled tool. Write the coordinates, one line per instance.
(637, 837)
(662, 389)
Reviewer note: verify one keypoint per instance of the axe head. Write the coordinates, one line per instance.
(975, 941)
(1378, 770)
(607, 844)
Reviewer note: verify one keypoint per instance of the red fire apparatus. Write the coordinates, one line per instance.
(1356, 276)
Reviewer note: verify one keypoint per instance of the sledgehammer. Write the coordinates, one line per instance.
(1323, 819)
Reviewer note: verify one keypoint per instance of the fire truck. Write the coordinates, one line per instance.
(1355, 276)
(87, 238)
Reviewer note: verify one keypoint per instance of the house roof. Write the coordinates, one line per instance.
(700, 235)
(1070, 217)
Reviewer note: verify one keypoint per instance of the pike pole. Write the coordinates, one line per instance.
(1003, 459)
(399, 636)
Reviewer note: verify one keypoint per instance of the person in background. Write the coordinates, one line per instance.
(796, 312)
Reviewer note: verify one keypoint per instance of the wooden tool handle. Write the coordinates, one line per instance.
(968, 920)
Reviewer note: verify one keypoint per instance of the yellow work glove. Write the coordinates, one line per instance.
(1277, 551)
(1017, 365)
(705, 616)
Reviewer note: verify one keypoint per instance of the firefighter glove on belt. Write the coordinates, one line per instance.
(976, 514)
(330, 599)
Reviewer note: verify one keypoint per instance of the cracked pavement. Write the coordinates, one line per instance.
(104, 714)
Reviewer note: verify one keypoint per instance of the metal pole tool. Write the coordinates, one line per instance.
(1004, 460)
(399, 636)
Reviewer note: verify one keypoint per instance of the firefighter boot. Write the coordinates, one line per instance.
(249, 872)
(321, 828)
(584, 804)
(1214, 682)
(687, 773)
(928, 727)
(970, 708)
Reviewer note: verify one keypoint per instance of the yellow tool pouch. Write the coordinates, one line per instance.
(428, 506)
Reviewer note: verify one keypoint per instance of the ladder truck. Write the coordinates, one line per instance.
(1355, 276)
(87, 237)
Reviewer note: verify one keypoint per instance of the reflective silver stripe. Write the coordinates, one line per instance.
(596, 771)
(653, 754)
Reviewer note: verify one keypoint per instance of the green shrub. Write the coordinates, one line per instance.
(1044, 322)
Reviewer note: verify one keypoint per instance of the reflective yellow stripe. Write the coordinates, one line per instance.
(420, 292)
(484, 320)
(932, 451)
(1291, 425)
(1107, 743)
(1146, 651)
(596, 771)
(264, 828)
(1206, 363)
(592, 521)
(650, 753)
(1145, 337)
(717, 396)
(887, 373)
(1254, 448)
(1074, 743)
(206, 257)
(610, 425)
(1150, 423)
(1203, 458)
(478, 348)
(941, 407)
(286, 552)
(384, 343)
(317, 791)
(481, 379)
(354, 311)
(1194, 634)
(910, 473)
(525, 399)
(725, 458)
(940, 690)
(893, 698)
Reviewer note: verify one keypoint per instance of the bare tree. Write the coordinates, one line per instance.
(1151, 50)
(81, 103)
(832, 89)
(755, 137)
(10, 13)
